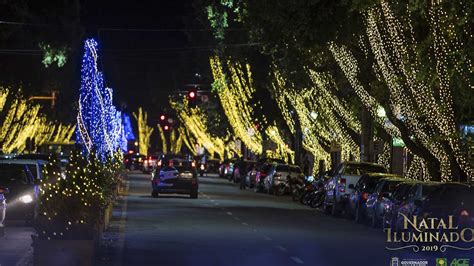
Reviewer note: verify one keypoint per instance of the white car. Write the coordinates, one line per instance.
(279, 173)
(341, 185)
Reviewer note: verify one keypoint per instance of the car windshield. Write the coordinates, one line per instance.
(453, 195)
(370, 183)
(389, 186)
(12, 174)
(360, 169)
(283, 168)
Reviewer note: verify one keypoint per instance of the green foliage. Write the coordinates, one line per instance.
(72, 202)
(51, 55)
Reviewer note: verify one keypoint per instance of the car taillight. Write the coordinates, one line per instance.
(365, 196)
(464, 213)
(342, 185)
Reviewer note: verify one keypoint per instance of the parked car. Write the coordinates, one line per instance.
(279, 173)
(134, 161)
(246, 165)
(177, 176)
(399, 197)
(363, 188)
(149, 164)
(250, 178)
(22, 179)
(213, 166)
(3, 207)
(415, 197)
(376, 204)
(226, 169)
(440, 200)
(341, 185)
(260, 175)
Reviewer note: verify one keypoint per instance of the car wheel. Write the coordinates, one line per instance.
(375, 221)
(359, 216)
(334, 209)
(154, 194)
(385, 223)
(194, 194)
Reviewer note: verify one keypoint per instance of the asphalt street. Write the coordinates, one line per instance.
(224, 226)
(227, 226)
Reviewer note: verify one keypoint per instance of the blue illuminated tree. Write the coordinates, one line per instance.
(99, 124)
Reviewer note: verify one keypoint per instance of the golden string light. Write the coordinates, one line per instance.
(144, 131)
(235, 90)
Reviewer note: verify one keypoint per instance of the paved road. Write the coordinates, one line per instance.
(15, 246)
(226, 226)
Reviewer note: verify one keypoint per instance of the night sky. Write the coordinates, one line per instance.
(149, 48)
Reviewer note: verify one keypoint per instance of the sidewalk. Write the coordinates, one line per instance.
(15, 246)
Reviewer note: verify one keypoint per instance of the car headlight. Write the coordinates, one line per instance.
(26, 199)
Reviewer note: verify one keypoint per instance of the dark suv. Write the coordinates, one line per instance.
(176, 176)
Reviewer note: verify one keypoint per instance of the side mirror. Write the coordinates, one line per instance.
(351, 186)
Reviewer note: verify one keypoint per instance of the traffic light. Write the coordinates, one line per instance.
(192, 93)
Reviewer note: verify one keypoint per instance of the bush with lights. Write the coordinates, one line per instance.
(72, 203)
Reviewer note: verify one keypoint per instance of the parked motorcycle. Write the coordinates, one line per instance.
(318, 196)
(284, 188)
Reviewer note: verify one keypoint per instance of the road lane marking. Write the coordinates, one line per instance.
(229, 213)
(281, 248)
(297, 260)
(237, 218)
(216, 203)
(267, 238)
(246, 224)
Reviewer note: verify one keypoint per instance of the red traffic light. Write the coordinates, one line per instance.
(192, 93)
(162, 117)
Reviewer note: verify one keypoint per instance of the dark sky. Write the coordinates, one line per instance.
(144, 65)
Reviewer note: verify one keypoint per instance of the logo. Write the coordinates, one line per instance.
(441, 262)
(395, 261)
(460, 262)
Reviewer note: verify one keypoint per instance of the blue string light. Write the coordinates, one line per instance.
(127, 124)
(99, 124)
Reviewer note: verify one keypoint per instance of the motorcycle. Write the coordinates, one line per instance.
(318, 196)
(284, 188)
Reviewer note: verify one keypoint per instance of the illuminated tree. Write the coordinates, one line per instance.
(99, 124)
(235, 91)
(144, 131)
(420, 100)
(194, 121)
(22, 120)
